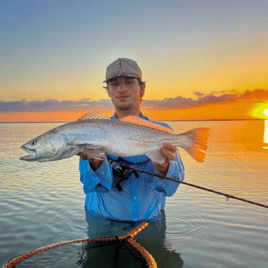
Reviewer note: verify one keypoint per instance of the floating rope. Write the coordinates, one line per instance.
(129, 238)
(196, 186)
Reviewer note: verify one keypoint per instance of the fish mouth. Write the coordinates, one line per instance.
(32, 154)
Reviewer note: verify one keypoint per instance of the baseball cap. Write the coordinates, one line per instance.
(123, 67)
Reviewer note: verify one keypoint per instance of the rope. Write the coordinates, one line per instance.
(128, 238)
(145, 254)
(198, 187)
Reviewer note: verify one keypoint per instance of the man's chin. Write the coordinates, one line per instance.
(124, 107)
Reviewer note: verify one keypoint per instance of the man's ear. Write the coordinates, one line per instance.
(108, 91)
(142, 89)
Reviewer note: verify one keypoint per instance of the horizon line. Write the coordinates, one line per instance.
(169, 120)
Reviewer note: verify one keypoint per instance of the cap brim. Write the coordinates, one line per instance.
(133, 76)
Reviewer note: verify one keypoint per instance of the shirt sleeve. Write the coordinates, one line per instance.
(99, 180)
(175, 171)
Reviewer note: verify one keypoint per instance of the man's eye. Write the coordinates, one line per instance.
(128, 82)
(114, 84)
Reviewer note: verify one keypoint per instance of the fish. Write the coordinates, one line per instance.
(125, 137)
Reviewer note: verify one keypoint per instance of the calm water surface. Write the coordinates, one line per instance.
(43, 204)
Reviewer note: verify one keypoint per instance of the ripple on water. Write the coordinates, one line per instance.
(187, 225)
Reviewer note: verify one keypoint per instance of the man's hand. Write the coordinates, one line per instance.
(94, 163)
(168, 150)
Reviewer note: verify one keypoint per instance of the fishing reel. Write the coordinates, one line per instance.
(123, 173)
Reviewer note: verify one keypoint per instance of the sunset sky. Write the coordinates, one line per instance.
(200, 59)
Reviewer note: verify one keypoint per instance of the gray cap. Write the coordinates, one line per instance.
(123, 67)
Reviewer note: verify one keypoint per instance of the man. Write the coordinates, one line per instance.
(133, 196)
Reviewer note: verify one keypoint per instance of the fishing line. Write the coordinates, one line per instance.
(228, 196)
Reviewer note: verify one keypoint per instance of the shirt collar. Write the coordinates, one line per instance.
(114, 117)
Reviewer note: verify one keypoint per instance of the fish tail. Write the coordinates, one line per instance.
(196, 141)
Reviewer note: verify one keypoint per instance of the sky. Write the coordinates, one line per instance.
(201, 60)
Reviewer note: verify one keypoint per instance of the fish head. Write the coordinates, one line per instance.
(46, 147)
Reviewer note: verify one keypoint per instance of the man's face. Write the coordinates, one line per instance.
(125, 92)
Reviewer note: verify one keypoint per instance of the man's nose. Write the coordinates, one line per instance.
(122, 87)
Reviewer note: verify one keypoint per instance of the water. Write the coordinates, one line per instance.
(43, 204)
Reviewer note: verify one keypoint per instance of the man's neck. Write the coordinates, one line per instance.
(121, 114)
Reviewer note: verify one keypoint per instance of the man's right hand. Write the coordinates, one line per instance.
(95, 163)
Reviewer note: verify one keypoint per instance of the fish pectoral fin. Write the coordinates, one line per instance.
(77, 143)
(73, 142)
(87, 146)
(89, 149)
(157, 157)
(97, 154)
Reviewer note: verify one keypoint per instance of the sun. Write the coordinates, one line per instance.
(259, 111)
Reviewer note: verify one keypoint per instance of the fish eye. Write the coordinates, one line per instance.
(33, 143)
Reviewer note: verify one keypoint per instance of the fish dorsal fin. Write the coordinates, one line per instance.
(144, 123)
(92, 115)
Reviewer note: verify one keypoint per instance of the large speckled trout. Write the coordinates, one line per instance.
(129, 136)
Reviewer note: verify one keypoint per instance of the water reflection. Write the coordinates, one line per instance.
(152, 238)
(265, 135)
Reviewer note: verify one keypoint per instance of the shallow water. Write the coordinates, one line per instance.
(43, 204)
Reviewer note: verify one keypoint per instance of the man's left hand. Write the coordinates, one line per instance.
(168, 150)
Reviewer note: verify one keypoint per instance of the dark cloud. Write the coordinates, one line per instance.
(199, 94)
(51, 105)
(178, 102)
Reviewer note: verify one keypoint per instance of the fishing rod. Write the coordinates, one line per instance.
(228, 196)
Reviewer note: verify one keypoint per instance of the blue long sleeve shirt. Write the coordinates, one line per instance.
(141, 198)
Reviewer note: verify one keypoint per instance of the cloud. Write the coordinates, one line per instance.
(53, 105)
(179, 102)
(199, 94)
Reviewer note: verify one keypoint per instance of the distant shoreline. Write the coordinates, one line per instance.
(168, 120)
